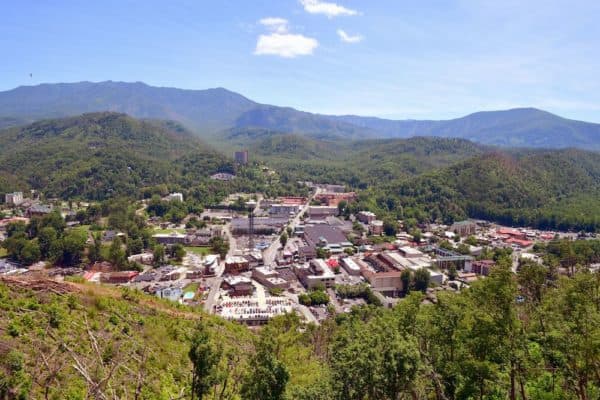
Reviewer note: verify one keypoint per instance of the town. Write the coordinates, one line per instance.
(271, 256)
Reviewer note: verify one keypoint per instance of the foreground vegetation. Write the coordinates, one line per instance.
(534, 336)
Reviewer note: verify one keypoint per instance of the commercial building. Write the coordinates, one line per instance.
(351, 265)
(238, 286)
(376, 227)
(170, 238)
(235, 265)
(262, 225)
(366, 217)
(13, 199)
(316, 273)
(324, 236)
(269, 278)
(463, 228)
(118, 277)
(322, 212)
(175, 197)
(389, 283)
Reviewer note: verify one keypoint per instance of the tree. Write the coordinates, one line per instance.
(267, 376)
(177, 251)
(135, 246)
(406, 278)
(46, 238)
(159, 255)
(219, 246)
(283, 239)
(452, 273)
(422, 279)
(116, 254)
(73, 244)
(95, 249)
(390, 227)
(205, 357)
(30, 253)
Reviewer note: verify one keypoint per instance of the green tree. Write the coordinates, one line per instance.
(30, 253)
(422, 279)
(159, 255)
(267, 377)
(73, 244)
(116, 254)
(46, 238)
(283, 239)
(177, 251)
(205, 357)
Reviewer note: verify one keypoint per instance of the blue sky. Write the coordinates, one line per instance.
(390, 58)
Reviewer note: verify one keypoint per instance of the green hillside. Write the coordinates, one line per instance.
(99, 155)
(549, 189)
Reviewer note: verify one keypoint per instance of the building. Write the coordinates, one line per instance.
(120, 277)
(39, 210)
(285, 210)
(376, 227)
(262, 225)
(366, 217)
(482, 267)
(351, 266)
(306, 253)
(13, 199)
(324, 236)
(142, 258)
(322, 212)
(170, 238)
(235, 265)
(238, 286)
(241, 157)
(389, 283)
(269, 278)
(316, 273)
(334, 198)
(222, 176)
(463, 228)
(175, 197)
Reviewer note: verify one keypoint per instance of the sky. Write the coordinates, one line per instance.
(388, 58)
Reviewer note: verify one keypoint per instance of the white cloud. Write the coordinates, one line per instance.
(329, 9)
(275, 24)
(344, 37)
(287, 45)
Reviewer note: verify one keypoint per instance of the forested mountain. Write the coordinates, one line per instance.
(100, 154)
(548, 189)
(528, 127)
(204, 110)
(210, 112)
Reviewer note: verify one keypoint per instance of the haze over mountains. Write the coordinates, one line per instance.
(212, 111)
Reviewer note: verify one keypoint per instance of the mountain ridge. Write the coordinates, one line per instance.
(210, 112)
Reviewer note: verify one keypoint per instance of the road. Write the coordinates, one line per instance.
(270, 253)
(211, 300)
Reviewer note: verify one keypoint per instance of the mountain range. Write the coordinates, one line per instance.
(209, 113)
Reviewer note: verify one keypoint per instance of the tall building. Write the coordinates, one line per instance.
(241, 157)
(14, 198)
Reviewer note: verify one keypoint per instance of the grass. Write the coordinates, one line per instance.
(3, 252)
(201, 251)
(82, 228)
(192, 287)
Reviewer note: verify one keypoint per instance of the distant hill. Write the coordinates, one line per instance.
(525, 127)
(211, 112)
(99, 155)
(549, 189)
